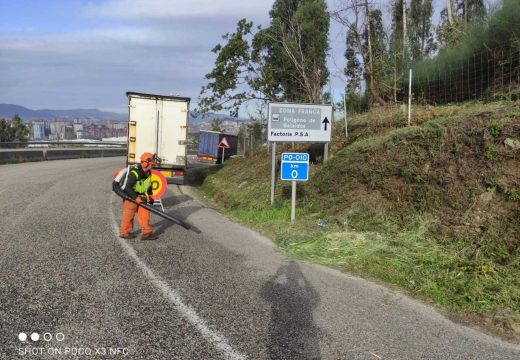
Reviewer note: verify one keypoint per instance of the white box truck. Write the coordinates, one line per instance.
(159, 124)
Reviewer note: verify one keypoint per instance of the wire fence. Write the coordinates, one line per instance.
(484, 75)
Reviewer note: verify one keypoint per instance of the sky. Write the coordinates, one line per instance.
(67, 54)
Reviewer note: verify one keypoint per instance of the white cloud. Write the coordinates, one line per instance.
(78, 42)
(154, 46)
(175, 9)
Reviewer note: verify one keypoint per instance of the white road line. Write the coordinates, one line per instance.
(218, 340)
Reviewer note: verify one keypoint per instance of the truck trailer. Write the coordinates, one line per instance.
(159, 124)
(209, 150)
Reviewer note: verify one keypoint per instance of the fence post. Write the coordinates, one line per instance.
(439, 83)
(510, 59)
(447, 94)
(469, 80)
(461, 71)
(410, 97)
(427, 97)
(502, 77)
(345, 109)
(475, 75)
(488, 78)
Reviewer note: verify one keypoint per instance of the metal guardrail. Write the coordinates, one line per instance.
(47, 153)
(60, 144)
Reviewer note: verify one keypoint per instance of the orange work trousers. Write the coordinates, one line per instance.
(127, 222)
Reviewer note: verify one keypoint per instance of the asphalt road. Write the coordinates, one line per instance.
(223, 293)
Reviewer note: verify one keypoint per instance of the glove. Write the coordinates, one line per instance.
(150, 200)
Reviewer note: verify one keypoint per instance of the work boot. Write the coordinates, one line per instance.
(150, 236)
(126, 236)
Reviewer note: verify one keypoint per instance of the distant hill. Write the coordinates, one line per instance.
(9, 110)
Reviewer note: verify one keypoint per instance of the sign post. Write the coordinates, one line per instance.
(294, 167)
(273, 171)
(287, 122)
(224, 145)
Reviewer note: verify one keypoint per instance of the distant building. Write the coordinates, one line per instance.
(38, 131)
(62, 130)
(77, 127)
(81, 134)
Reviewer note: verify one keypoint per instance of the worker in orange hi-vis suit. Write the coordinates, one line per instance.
(139, 187)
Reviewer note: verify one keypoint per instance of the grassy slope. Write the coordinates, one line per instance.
(433, 208)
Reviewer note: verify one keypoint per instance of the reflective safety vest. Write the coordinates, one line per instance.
(141, 185)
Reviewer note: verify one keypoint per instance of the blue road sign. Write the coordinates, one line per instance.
(295, 167)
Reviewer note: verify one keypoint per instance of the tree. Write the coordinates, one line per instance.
(397, 39)
(449, 30)
(449, 11)
(285, 61)
(216, 125)
(455, 18)
(420, 28)
(398, 49)
(354, 74)
(233, 70)
(20, 131)
(294, 49)
(255, 130)
(5, 131)
(367, 38)
(376, 42)
(14, 131)
(469, 10)
(353, 70)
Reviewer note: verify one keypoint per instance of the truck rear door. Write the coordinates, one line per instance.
(142, 128)
(172, 134)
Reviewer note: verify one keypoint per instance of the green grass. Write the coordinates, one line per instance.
(513, 195)
(491, 152)
(414, 261)
(265, 216)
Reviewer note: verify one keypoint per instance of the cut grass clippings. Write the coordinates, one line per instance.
(411, 260)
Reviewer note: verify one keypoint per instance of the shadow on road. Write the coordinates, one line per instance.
(195, 175)
(292, 331)
(175, 200)
(183, 214)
